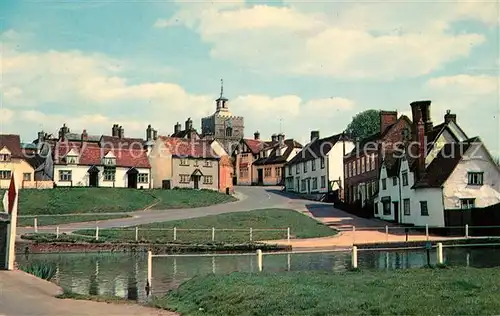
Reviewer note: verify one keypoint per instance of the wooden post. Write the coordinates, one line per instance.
(97, 233)
(251, 234)
(150, 269)
(57, 232)
(427, 231)
(354, 257)
(136, 233)
(353, 234)
(288, 235)
(387, 233)
(466, 230)
(259, 259)
(213, 233)
(440, 253)
(35, 224)
(175, 233)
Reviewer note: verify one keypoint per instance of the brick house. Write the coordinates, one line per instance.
(362, 164)
(244, 156)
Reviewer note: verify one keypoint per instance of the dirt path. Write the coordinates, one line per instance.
(24, 294)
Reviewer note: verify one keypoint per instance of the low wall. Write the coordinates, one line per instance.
(37, 185)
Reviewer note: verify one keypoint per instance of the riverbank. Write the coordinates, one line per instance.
(457, 291)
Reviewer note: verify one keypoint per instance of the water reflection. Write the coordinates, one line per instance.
(125, 275)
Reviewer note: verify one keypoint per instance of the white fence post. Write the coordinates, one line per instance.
(427, 232)
(57, 232)
(288, 235)
(386, 233)
(150, 270)
(136, 233)
(440, 253)
(353, 234)
(259, 259)
(251, 234)
(354, 257)
(97, 233)
(35, 224)
(175, 233)
(213, 233)
(466, 230)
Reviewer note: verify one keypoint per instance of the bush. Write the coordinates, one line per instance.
(42, 270)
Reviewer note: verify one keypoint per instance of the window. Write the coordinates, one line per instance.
(322, 162)
(290, 170)
(208, 163)
(4, 174)
(313, 164)
(143, 178)
(315, 183)
(372, 162)
(384, 184)
(184, 162)
(109, 174)
(406, 207)
(387, 206)
(346, 168)
(244, 172)
(65, 175)
(267, 172)
(185, 178)
(26, 176)
(363, 164)
(405, 178)
(297, 169)
(303, 185)
(4, 157)
(109, 161)
(277, 172)
(208, 180)
(424, 211)
(229, 131)
(394, 181)
(475, 178)
(467, 203)
(351, 171)
(323, 182)
(71, 160)
(305, 166)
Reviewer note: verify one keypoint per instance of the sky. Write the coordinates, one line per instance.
(288, 66)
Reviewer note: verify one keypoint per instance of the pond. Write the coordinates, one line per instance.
(124, 274)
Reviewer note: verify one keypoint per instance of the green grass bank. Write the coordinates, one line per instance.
(457, 291)
(301, 226)
(58, 220)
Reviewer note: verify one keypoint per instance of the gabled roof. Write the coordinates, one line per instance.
(273, 158)
(13, 144)
(189, 148)
(315, 149)
(443, 165)
(255, 145)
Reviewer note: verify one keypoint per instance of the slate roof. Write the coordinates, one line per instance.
(273, 158)
(189, 148)
(317, 148)
(91, 154)
(13, 144)
(184, 133)
(443, 165)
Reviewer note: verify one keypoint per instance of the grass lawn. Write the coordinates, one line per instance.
(57, 220)
(461, 291)
(301, 226)
(108, 200)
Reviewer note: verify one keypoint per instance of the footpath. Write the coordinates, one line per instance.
(24, 294)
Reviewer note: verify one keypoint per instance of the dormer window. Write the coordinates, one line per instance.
(72, 160)
(5, 157)
(109, 161)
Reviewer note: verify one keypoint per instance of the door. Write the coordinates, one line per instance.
(396, 211)
(196, 180)
(260, 176)
(94, 179)
(132, 181)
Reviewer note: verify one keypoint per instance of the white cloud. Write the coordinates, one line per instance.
(467, 84)
(345, 40)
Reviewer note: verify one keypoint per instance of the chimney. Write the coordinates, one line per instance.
(387, 118)
(189, 124)
(256, 135)
(63, 131)
(121, 132)
(155, 134)
(274, 138)
(85, 136)
(449, 117)
(177, 128)
(421, 111)
(422, 150)
(281, 138)
(149, 133)
(314, 135)
(41, 137)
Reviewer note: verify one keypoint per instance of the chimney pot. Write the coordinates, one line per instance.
(274, 138)
(450, 117)
(314, 135)
(256, 135)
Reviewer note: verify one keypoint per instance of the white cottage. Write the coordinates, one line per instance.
(319, 167)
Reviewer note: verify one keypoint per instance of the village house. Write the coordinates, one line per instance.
(244, 155)
(318, 168)
(442, 170)
(362, 164)
(268, 168)
(190, 163)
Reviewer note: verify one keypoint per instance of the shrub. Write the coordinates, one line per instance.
(42, 270)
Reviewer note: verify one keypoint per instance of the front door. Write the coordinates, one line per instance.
(94, 179)
(396, 211)
(132, 181)
(260, 176)
(196, 180)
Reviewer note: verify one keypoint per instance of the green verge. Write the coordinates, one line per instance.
(301, 226)
(67, 294)
(109, 200)
(458, 291)
(57, 220)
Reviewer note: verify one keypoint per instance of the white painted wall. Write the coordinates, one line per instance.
(80, 176)
(442, 140)
(390, 191)
(456, 187)
(335, 162)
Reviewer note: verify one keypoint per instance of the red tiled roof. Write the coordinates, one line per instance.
(255, 145)
(182, 147)
(92, 154)
(13, 144)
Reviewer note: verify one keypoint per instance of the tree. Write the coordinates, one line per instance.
(364, 124)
